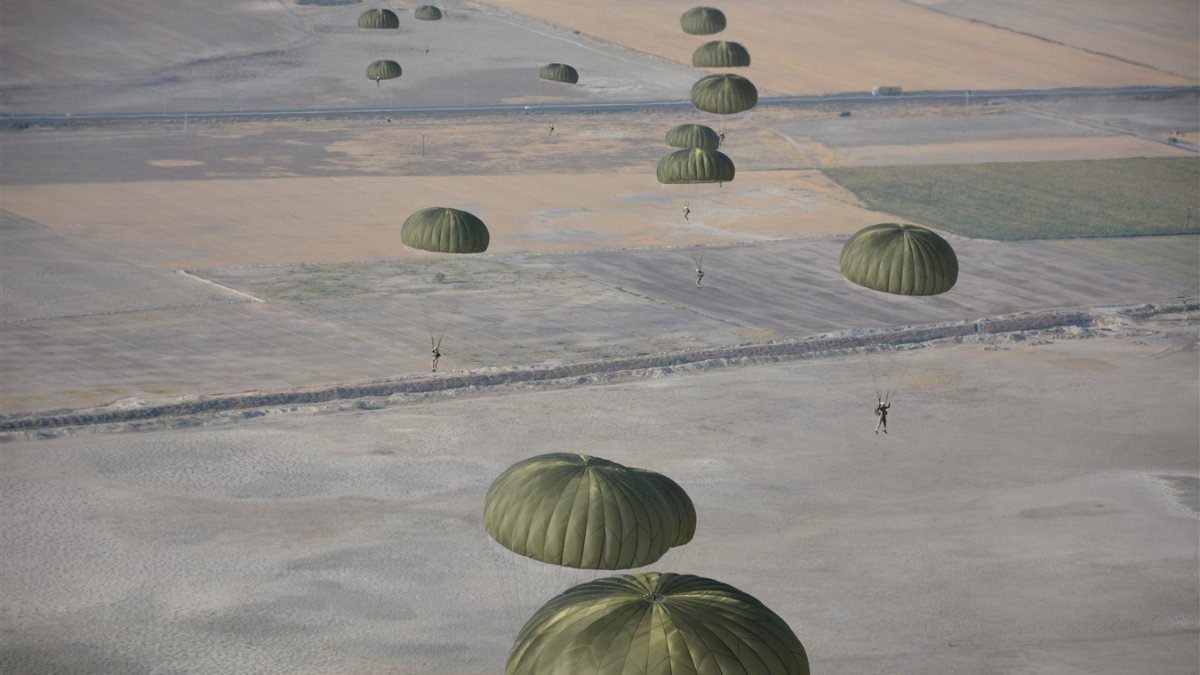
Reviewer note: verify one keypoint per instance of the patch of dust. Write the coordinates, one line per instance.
(1083, 364)
(172, 163)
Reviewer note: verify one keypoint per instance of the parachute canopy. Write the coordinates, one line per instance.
(724, 94)
(676, 623)
(383, 70)
(428, 13)
(559, 72)
(445, 230)
(721, 54)
(587, 512)
(695, 165)
(693, 136)
(901, 259)
(702, 21)
(378, 18)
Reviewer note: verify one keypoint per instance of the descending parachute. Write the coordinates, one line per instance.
(681, 504)
(724, 94)
(428, 13)
(586, 512)
(721, 54)
(662, 623)
(695, 165)
(559, 72)
(445, 230)
(693, 136)
(383, 70)
(702, 21)
(901, 259)
(378, 18)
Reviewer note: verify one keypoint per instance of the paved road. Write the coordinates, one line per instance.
(586, 108)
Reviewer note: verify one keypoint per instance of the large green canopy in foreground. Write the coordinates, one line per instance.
(702, 21)
(721, 54)
(693, 136)
(587, 512)
(901, 259)
(559, 72)
(383, 70)
(656, 624)
(428, 13)
(695, 165)
(724, 94)
(445, 230)
(378, 18)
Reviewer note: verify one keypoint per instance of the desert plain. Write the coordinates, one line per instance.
(1033, 508)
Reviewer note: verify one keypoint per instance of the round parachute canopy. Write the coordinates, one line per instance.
(693, 136)
(586, 512)
(559, 72)
(681, 504)
(724, 94)
(721, 54)
(674, 622)
(428, 13)
(901, 259)
(702, 21)
(378, 18)
(695, 165)
(383, 70)
(445, 230)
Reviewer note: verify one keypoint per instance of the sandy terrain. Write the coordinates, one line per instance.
(834, 46)
(1161, 34)
(995, 529)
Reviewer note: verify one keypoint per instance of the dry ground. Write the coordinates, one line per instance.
(827, 46)
(1034, 509)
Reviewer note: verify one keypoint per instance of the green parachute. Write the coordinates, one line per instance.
(445, 230)
(383, 70)
(660, 623)
(702, 21)
(559, 72)
(724, 94)
(721, 54)
(428, 13)
(586, 512)
(695, 165)
(693, 136)
(900, 259)
(378, 18)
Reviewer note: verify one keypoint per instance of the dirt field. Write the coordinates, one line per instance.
(1034, 508)
(831, 46)
(995, 529)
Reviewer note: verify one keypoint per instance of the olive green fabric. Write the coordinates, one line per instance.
(724, 94)
(383, 70)
(378, 18)
(445, 230)
(559, 72)
(586, 512)
(721, 54)
(702, 21)
(428, 13)
(695, 165)
(901, 259)
(693, 136)
(681, 504)
(656, 624)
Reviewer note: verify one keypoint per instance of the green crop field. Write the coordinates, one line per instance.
(1037, 200)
